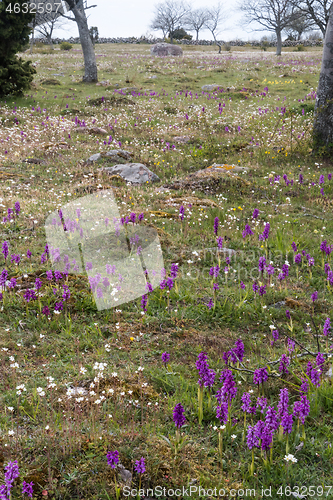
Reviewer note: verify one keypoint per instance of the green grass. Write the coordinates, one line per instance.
(69, 458)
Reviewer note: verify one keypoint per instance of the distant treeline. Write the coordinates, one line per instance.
(233, 43)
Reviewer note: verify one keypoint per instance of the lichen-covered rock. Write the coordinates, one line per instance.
(166, 49)
(94, 158)
(114, 155)
(136, 173)
(229, 168)
(210, 176)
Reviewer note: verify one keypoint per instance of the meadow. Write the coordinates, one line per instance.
(219, 380)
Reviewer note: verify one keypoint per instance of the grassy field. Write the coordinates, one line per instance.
(62, 410)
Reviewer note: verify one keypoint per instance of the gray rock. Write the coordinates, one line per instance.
(94, 157)
(125, 474)
(37, 161)
(182, 139)
(137, 173)
(210, 88)
(278, 305)
(129, 89)
(114, 155)
(166, 49)
(117, 154)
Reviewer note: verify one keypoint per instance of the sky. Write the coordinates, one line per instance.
(132, 18)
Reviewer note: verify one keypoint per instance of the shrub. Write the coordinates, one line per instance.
(227, 47)
(264, 45)
(180, 34)
(66, 46)
(300, 48)
(16, 74)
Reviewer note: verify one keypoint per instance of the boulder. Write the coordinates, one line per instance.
(166, 49)
(136, 173)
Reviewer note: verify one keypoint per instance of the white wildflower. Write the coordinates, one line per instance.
(290, 458)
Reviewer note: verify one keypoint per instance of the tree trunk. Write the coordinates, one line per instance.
(197, 35)
(32, 38)
(279, 42)
(49, 39)
(90, 66)
(323, 115)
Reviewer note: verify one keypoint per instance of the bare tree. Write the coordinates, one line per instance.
(323, 116)
(301, 23)
(47, 20)
(169, 15)
(47, 17)
(196, 20)
(273, 15)
(317, 10)
(78, 8)
(215, 17)
(158, 24)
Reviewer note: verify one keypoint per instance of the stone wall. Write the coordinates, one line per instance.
(233, 43)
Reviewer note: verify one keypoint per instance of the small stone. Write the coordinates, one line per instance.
(97, 130)
(211, 87)
(278, 305)
(129, 89)
(125, 474)
(36, 161)
(182, 139)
